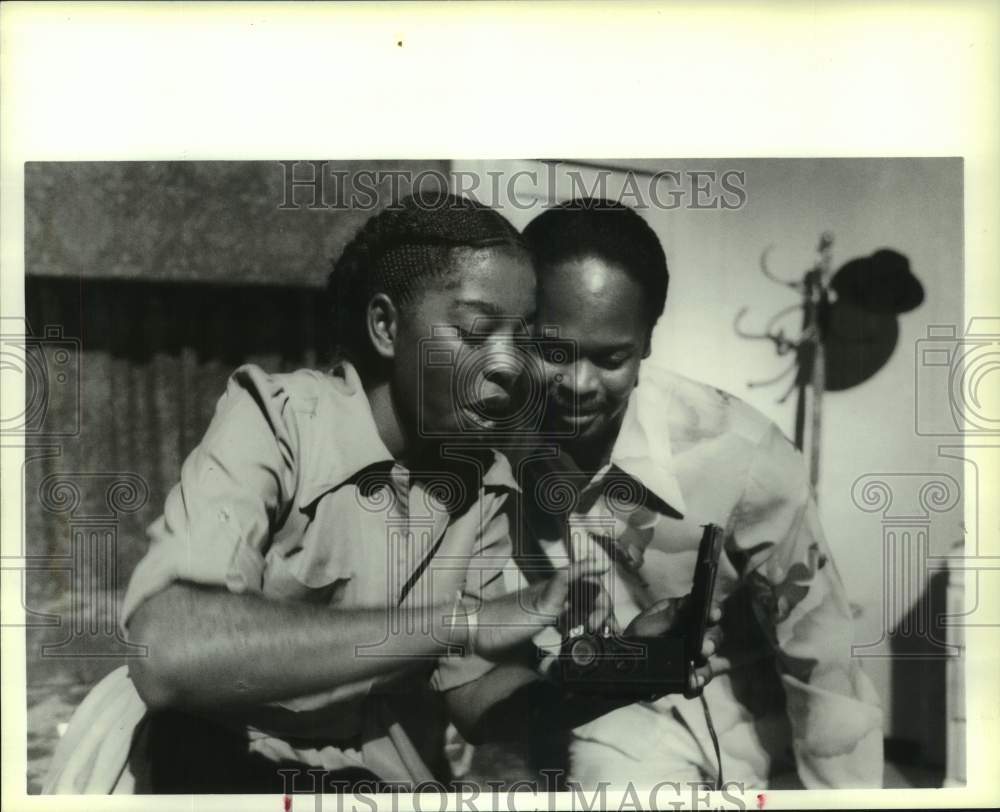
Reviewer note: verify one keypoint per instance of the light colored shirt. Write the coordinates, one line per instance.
(292, 494)
(687, 455)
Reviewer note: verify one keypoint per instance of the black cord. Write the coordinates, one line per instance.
(715, 739)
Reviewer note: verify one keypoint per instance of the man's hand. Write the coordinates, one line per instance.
(662, 617)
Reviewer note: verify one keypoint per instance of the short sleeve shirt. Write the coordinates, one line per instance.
(292, 494)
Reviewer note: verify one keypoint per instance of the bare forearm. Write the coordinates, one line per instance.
(211, 648)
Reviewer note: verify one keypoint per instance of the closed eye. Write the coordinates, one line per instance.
(472, 338)
(613, 360)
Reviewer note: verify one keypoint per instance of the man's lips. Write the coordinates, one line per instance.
(577, 417)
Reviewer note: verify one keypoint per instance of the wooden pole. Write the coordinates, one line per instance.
(812, 361)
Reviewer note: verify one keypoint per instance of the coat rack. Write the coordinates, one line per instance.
(848, 331)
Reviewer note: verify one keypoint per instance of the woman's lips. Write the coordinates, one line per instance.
(493, 408)
(489, 413)
(481, 421)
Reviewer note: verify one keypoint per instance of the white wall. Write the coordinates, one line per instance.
(913, 206)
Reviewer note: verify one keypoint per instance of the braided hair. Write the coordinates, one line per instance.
(399, 252)
(607, 230)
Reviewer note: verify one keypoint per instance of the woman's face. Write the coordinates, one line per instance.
(458, 371)
(599, 309)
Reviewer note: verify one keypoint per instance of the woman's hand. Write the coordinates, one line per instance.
(505, 622)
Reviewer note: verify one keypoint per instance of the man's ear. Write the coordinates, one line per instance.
(382, 321)
(649, 345)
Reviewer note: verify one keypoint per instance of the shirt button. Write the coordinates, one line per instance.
(224, 515)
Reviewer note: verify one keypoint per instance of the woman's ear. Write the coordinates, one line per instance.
(382, 321)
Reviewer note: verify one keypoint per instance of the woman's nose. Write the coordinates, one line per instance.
(503, 365)
(502, 376)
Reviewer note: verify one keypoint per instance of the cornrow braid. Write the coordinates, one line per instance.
(400, 250)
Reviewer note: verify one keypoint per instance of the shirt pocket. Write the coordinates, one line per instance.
(312, 558)
(292, 578)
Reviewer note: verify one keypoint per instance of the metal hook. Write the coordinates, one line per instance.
(789, 391)
(810, 286)
(740, 331)
(781, 314)
(781, 343)
(767, 271)
(775, 379)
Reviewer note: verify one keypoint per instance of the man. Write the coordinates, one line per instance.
(786, 695)
(311, 563)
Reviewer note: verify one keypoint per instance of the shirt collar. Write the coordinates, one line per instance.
(500, 474)
(642, 449)
(346, 440)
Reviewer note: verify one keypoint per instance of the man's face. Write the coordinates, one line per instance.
(456, 371)
(599, 308)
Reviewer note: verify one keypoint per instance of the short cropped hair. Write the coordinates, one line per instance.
(400, 251)
(610, 231)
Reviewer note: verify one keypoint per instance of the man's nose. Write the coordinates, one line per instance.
(578, 380)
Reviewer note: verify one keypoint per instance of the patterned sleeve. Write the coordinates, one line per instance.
(800, 601)
(216, 524)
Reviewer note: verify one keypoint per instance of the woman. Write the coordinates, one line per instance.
(314, 557)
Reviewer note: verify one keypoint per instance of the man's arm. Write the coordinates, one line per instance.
(801, 605)
(472, 705)
(514, 703)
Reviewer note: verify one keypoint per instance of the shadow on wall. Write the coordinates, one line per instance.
(919, 686)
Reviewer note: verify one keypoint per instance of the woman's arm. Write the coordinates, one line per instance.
(210, 648)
